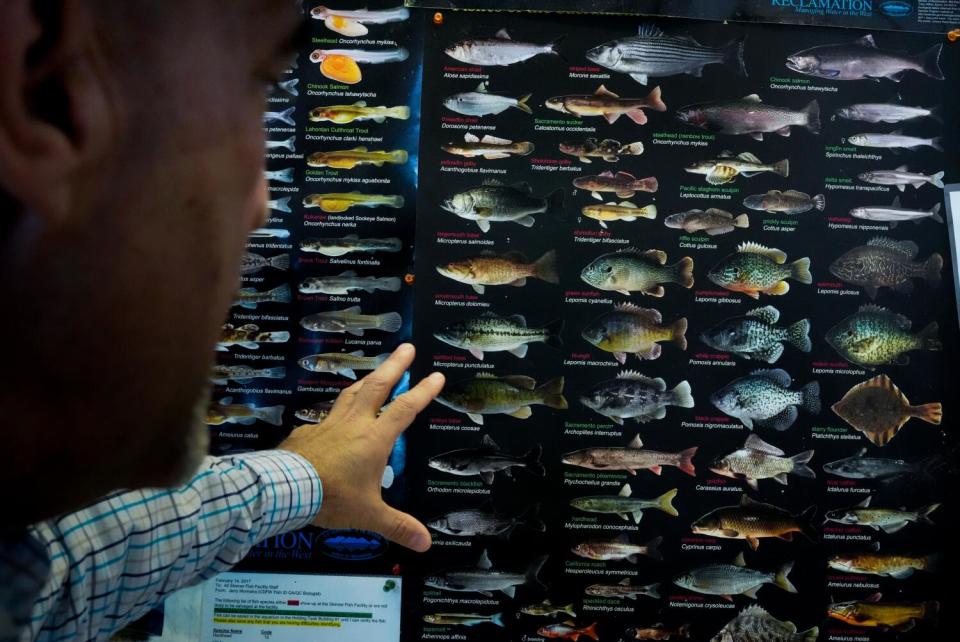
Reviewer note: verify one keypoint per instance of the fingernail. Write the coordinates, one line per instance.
(437, 377)
(404, 349)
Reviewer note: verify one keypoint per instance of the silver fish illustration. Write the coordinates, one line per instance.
(895, 213)
(727, 580)
(342, 363)
(895, 140)
(480, 102)
(634, 396)
(352, 321)
(285, 116)
(485, 522)
(288, 144)
(280, 175)
(486, 461)
(859, 466)
(901, 177)
(280, 204)
(862, 59)
(652, 53)
(350, 243)
(290, 86)
(347, 282)
(888, 520)
(758, 460)
(499, 51)
(253, 263)
(485, 579)
(362, 56)
(885, 112)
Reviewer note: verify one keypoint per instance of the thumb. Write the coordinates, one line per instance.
(402, 528)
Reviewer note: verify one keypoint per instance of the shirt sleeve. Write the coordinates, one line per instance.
(112, 561)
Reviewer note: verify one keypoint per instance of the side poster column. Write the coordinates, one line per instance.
(689, 283)
(325, 297)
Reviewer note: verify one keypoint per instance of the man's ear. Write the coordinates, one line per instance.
(54, 107)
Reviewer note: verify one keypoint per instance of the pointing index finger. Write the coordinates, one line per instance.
(378, 384)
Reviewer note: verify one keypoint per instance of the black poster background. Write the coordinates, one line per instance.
(937, 16)
(818, 235)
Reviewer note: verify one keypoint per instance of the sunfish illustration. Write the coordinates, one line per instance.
(887, 263)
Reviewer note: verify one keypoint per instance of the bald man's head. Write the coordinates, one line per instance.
(131, 170)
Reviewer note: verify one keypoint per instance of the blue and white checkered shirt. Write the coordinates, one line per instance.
(85, 575)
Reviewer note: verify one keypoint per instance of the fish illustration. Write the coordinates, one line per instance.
(226, 412)
(895, 140)
(604, 102)
(486, 461)
(756, 625)
(752, 521)
(625, 506)
(885, 112)
(568, 631)
(289, 86)
(350, 158)
(887, 263)
(480, 102)
(352, 321)
(250, 298)
(512, 268)
(248, 336)
(873, 613)
(631, 270)
(757, 460)
(617, 549)
(269, 233)
(623, 211)
(756, 335)
(491, 332)
(253, 263)
(315, 413)
(630, 329)
(499, 51)
(341, 202)
(495, 202)
(756, 269)
(750, 116)
(888, 520)
(634, 396)
(280, 175)
(350, 243)
(221, 375)
(859, 466)
(285, 116)
(342, 363)
(879, 410)
(623, 184)
(288, 144)
(623, 590)
(485, 579)
(874, 336)
(486, 394)
(652, 53)
(280, 204)
(608, 149)
(764, 398)
(658, 631)
(347, 282)
(358, 111)
(897, 566)
(548, 609)
(862, 59)
(894, 213)
(901, 177)
(725, 168)
(712, 221)
(485, 522)
(489, 147)
(788, 202)
(343, 65)
(352, 23)
(463, 619)
(727, 580)
(631, 458)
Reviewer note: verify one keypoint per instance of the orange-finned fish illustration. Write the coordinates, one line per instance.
(879, 410)
(871, 612)
(568, 631)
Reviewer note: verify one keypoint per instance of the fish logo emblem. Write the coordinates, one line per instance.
(896, 8)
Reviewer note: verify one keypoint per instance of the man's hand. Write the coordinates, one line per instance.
(350, 450)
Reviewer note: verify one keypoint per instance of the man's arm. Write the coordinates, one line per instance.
(113, 561)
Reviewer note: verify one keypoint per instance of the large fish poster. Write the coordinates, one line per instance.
(326, 292)
(690, 285)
